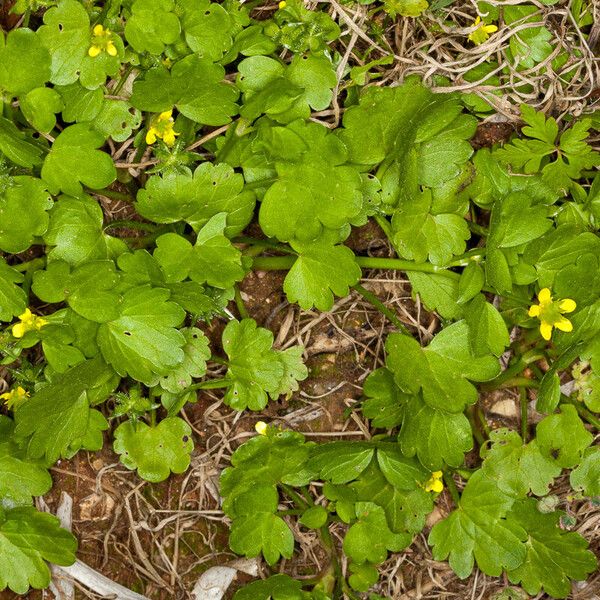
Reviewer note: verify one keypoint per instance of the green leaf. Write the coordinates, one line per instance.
(385, 402)
(88, 288)
(196, 352)
(471, 281)
(370, 538)
(76, 231)
(13, 300)
(285, 93)
(487, 330)
(143, 342)
(196, 199)
(314, 517)
(40, 106)
(320, 271)
(74, 160)
(363, 576)
(254, 368)
(66, 34)
(18, 147)
(23, 211)
(20, 477)
(155, 451)
(437, 437)
(416, 137)
(438, 292)
(406, 506)
(586, 477)
(419, 233)
(152, 25)
(213, 259)
(58, 414)
(207, 27)
(276, 587)
(518, 468)
(341, 462)
(554, 557)
(117, 119)
(194, 85)
(315, 189)
(262, 532)
(563, 437)
(478, 530)
(580, 280)
(442, 369)
(28, 538)
(80, 104)
(529, 46)
(24, 62)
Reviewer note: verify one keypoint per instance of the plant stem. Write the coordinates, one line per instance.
(524, 416)
(523, 382)
(295, 496)
(477, 434)
(284, 263)
(515, 369)
(122, 81)
(449, 481)
(212, 384)
(239, 302)
(381, 307)
(483, 421)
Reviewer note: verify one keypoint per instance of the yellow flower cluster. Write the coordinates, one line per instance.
(162, 127)
(482, 31)
(102, 41)
(549, 312)
(14, 397)
(435, 484)
(28, 322)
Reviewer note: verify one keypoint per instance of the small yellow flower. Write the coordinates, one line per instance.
(482, 33)
(549, 312)
(14, 397)
(29, 322)
(261, 428)
(162, 127)
(435, 484)
(282, 4)
(102, 42)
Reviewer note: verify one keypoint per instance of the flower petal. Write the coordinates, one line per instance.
(490, 28)
(165, 116)
(535, 310)
(567, 305)
(564, 324)
(437, 486)
(151, 136)
(98, 30)
(111, 49)
(546, 330)
(19, 330)
(545, 296)
(94, 51)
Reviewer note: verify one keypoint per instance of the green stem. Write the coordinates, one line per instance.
(385, 226)
(523, 382)
(478, 229)
(477, 434)
(583, 412)
(131, 225)
(515, 369)
(260, 183)
(297, 498)
(261, 244)
(284, 263)
(524, 415)
(483, 421)
(239, 302)
(212, 384)
(122, 81)
(449, 481)
(381, 307)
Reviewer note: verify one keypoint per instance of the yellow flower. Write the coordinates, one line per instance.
(162, 127)
(549, 312)
(435, 484)
(14, 397)
(282, 4)
(261, 428)
(102, 42)
(482, 33)
(29, 322)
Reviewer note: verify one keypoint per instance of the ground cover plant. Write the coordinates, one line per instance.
(160, 157)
